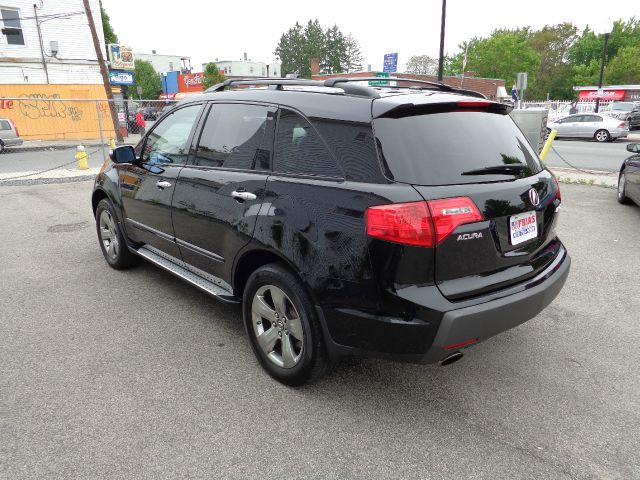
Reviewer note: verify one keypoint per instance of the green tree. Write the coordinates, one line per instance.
(336, 52)
(109, 35)
(554, 73)
(212, 75)
(422, 64)
(146, 77)
(624, 68)
(354, 54)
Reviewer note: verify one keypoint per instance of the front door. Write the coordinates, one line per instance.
(219, 193)
(148, 185)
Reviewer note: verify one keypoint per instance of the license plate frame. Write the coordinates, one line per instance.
(523, 227)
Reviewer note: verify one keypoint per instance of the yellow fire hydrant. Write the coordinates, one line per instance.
(82, 158)
(112, 143)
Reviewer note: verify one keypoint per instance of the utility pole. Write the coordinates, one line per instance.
(604, 59)
(44, 63)
(103, 70)
(442, 23)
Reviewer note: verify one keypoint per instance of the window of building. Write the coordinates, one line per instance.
(251, 69)
(237, 136)
(299, 149)
(11, 26)
(275, 73)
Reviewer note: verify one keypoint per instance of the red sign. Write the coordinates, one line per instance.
(190, 82)
(6, 104)
(606, 95)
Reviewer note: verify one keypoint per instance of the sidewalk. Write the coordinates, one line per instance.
(586, 177)
(35, 145)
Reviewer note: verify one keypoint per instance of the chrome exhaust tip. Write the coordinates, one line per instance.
(453, 358)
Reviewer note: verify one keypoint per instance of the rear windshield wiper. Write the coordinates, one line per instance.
(511, 169)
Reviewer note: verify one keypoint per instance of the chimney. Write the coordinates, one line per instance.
(315, 66)
(245, 56)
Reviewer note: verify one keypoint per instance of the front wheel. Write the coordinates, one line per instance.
(112, 241)
(602, 136)
(282, 326)
(1, 147)
(622, 187)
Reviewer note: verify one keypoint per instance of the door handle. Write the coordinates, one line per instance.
(163, 184)
(242, 196)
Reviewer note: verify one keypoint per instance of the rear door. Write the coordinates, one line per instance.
(588, 125)
(461, 159)
(219, 193)
(568, 126)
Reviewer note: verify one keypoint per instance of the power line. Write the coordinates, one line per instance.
(49, 16)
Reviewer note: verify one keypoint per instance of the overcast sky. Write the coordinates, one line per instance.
(205, 30)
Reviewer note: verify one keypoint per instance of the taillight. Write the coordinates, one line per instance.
(557, 195)
(623, 125)
(423, 224)
(408, 223)
(449, 213)
(15, 128)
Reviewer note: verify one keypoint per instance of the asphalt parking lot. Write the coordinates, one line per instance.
(107, 374)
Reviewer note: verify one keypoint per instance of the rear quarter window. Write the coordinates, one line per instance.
(5, 125)
(441, 148)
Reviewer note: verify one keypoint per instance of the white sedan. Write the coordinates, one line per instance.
(602, 128)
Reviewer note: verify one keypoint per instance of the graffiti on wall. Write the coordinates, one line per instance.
(40, 105)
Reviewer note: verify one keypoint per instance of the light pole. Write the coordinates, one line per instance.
(442, 23)
(604, 59)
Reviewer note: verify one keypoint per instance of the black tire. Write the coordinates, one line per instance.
(622, 197)
(602, 136)
(112, 241)
(312, 359)
(1, 147)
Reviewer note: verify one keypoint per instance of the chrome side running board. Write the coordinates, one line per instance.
(205, 282)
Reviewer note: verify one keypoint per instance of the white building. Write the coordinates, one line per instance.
(165, 63)
(247, 68)
(57, 48)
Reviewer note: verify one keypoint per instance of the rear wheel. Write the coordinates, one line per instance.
(622, 187)
(1, 147)
(112, 241)
(282, 326)
(602, 136)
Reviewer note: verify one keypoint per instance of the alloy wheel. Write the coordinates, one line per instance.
(109, 235)
(277, 326)
(602, 136)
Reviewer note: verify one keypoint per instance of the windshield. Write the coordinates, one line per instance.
(624, 106)
(454, 148)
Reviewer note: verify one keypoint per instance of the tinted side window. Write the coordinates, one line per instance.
(592, 118)
(299, 149)
(4, 125)
(168, 142)
(236, 136)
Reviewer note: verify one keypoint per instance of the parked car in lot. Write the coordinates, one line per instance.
(623, 110)
(598, 126)
(346, 220)
(9, 136)
(629, 177)
(150, 113)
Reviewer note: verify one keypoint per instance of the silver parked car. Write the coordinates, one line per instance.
(9, 136)
(602, 128)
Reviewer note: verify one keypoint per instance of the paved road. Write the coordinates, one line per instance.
(588, 154)
(107, 374)
(581, 153)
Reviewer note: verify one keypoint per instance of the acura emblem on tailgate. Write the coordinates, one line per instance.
(533, 196)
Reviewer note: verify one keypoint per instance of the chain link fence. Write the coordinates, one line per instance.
(40, 121)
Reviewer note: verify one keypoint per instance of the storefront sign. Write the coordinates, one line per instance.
(120, 57)
(121, 78)
(190, 82)
(605, 95)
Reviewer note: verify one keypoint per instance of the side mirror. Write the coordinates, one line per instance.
(633, 147)
(124, 154)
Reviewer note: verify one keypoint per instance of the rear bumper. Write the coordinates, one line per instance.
(12, 142)
(423, 340)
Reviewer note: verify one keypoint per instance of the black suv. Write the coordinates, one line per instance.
(406, 223)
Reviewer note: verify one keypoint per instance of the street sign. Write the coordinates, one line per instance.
(390, 63)
(379, 82)
(121, 78)
(521, 82)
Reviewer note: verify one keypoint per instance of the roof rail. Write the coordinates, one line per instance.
(331, 82)
(342, 83)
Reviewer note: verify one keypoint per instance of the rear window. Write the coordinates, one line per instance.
(446, 148)
(5, 125)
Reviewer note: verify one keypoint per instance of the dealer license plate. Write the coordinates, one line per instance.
(523, 227)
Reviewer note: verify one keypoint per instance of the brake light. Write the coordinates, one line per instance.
(449, 213)
(623, 125)
(557, 195)
(423, 224)
(407, 223)
(472, 104)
